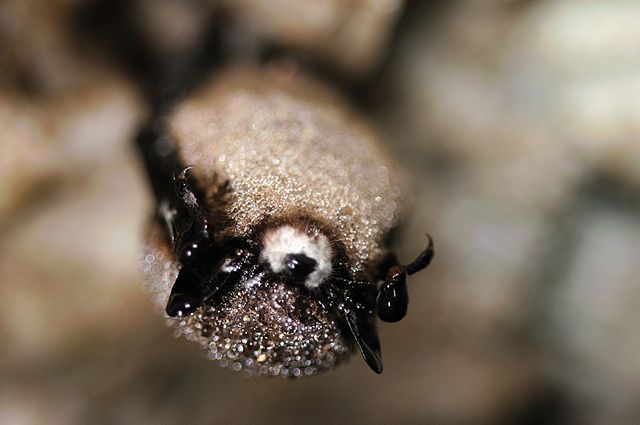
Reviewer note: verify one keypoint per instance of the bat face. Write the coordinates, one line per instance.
(266, 246)
(259, 320)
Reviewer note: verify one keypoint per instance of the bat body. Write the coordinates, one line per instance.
(268, 246)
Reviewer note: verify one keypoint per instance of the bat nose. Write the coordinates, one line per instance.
(299, 265)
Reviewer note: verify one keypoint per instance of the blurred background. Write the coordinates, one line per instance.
(518, 119)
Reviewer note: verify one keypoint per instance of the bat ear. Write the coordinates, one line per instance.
(362, 326)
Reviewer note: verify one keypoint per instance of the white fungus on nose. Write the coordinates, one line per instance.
(286, 240)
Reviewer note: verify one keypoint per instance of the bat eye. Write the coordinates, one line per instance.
(299, 265)
(311, 231)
